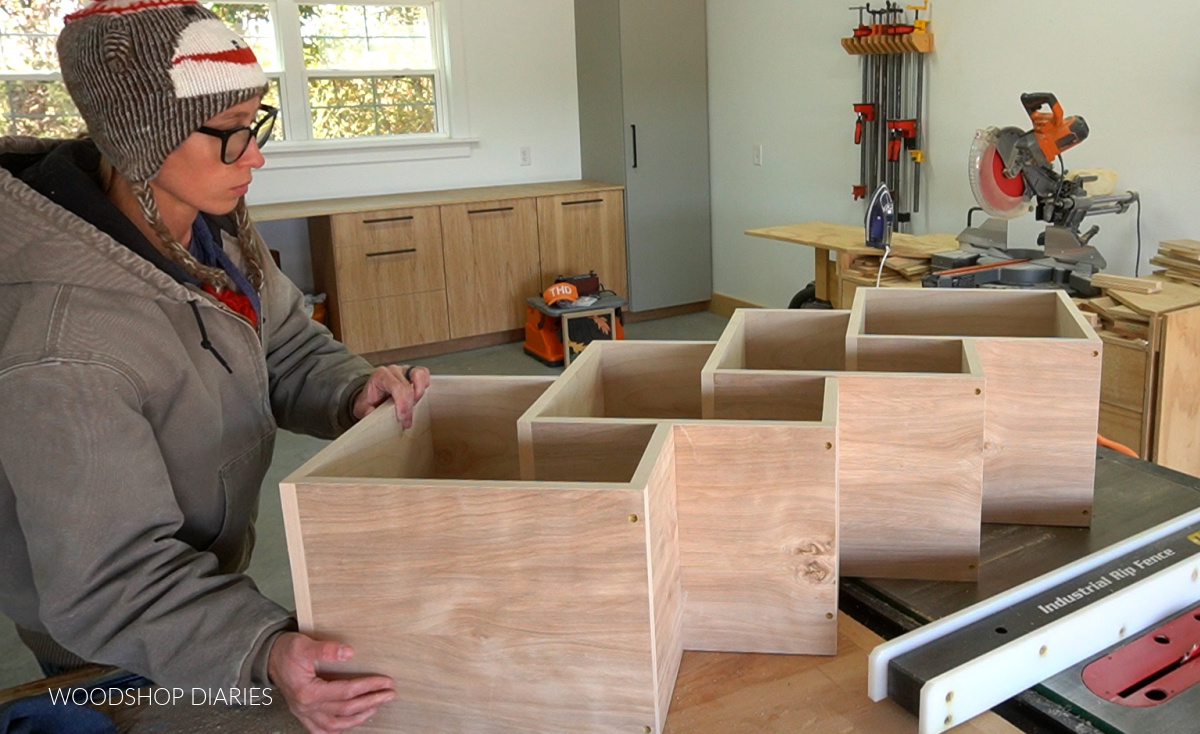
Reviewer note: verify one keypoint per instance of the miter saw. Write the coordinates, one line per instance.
(1013, 171)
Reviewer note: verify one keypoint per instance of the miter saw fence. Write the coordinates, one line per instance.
(1013, 171)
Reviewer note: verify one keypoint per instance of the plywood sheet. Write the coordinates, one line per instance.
(457, 592)
(795, 339)
(652, 379)
(961, 312)
(758, 536)
(768, 395)
(1173, 297)
(582, 450)
(1042, 414)
(911, 474)
(1177, 441)
(474, 424)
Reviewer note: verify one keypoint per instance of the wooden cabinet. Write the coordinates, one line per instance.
(414, 269)
(582, 232)
(1150, 390)
(383, 273)
(491, 252)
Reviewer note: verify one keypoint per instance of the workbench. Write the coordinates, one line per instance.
(845, 242)
(721, 692)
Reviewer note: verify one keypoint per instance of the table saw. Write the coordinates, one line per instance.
(1132, 498)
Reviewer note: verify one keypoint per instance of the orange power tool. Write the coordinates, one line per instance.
(1054, 134)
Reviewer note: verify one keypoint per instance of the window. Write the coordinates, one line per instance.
(336, 71)
(33, 99)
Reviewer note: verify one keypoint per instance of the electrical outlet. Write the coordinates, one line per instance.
(758, 155)
(526, 156)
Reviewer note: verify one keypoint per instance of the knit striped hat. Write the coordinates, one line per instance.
(145, 74)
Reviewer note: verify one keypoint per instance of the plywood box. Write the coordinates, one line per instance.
(1042, 362)
(910, 424)
(757, 500)
(496, 604)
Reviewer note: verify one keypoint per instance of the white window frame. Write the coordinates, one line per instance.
(300, 150)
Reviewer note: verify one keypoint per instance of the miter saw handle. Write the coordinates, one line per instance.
(1054, 134)
(1034, 101)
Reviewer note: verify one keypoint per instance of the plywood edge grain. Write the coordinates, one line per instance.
(663, 571)
(294, 535)
(729, 353)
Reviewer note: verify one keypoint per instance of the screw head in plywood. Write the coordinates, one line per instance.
(633, 517)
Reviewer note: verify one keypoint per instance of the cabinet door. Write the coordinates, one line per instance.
(665, 88)
(491, 253)
(582, 232)
(392, 322)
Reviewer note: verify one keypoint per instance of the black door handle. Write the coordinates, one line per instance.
(634, 129)
(392, 252)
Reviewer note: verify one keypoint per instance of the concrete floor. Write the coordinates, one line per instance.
(269, 567)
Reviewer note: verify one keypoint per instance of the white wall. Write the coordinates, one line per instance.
(778, 77)
(519, 73)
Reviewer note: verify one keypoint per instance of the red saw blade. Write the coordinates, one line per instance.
(999, 195)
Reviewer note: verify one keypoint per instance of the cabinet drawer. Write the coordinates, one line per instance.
(582, 232)
(1123, 376)
(394, 322)
(387, 253)
(1123, 426)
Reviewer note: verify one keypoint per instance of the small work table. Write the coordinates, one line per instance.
(718, 693)
(847, 241)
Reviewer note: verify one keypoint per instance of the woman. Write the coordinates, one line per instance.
(148, 349)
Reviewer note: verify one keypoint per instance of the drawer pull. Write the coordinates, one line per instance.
(489, 211)
(583, 201)
(391, 252)
(388, 219)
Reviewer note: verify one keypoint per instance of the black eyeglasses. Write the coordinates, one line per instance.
(234, 142)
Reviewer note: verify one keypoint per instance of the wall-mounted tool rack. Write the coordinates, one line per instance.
(890, 118)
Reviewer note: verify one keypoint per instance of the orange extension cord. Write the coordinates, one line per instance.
(1111, 444)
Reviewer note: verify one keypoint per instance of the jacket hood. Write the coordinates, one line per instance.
(43, 241)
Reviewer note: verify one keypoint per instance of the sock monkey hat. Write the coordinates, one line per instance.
(145, 74)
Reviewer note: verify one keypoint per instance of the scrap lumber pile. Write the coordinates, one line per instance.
(895, 269)
(1180, 260)
(1117, 318)
(1129, 306)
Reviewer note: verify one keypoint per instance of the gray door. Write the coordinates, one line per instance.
(665, 88)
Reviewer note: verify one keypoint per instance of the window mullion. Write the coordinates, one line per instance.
(295, 82)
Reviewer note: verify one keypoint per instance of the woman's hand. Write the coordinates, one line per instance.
(403, 384)
(323, 706)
